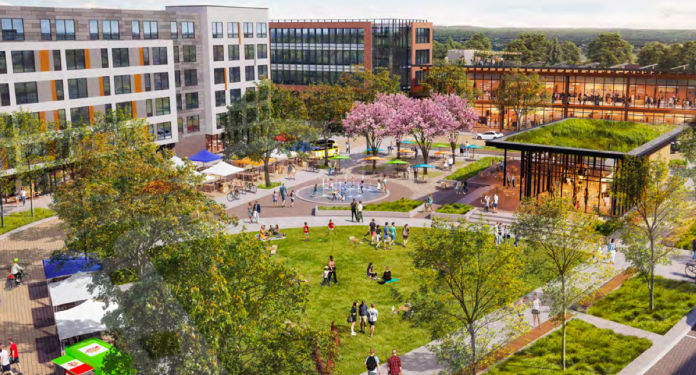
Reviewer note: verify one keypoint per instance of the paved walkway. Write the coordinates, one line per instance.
(681, 360)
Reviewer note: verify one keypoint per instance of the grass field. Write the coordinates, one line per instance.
(590, 350)
(629, 304)
(333, 303)
(621, 136)
(20, 219)
(472, 169)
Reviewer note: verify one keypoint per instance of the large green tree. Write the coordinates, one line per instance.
(469, 284)
(609, 49)
(448, 79)
(520, 92)
(365, 84)
(651, 53)
(571, 52)
(533, 47)
(478, 41)
(326, 107)
(440, 49)
(554, 55)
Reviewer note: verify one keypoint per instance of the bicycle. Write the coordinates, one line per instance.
(232, 195)
(11, 282)
(250, 187)
(690, 270)
(312, 167)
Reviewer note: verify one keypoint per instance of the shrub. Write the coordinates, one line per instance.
(399, 205)
(20, 219)
(273, 185)
(455, 208)
(684, 241)
(470, 170)
(677, 164)
(607, 228)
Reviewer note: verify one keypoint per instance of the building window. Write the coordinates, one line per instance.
(125, 109)
(135, 30)
(189, 53)
(422, 56)
(4, 94)
(26, 93)
(159, 55)
(110, 30)
(219, 75)
(12, 28)
(162, 106)
(161, 81)
(178, 102)
(221, 120)
(420, 76)
(192, 124)
(104, 58)
(176, 54)
(233, 52)
(150, 30)
(217, 30)
(77, 88)
(188, 30)
(106, 84)
(57, 64)
(148, 82)
(261, 30)
(79, 116)
(190, 77)
(218, 53)
(233, 29)
(422, 35)
(174, 30)
(148, 108)
(46, 30)
(62, 122)
(164, 130)
(192, 100)
(220, 98)
(60, 93)
(75, 59)
(3, 62)
(235, 75)
(146, 56)
(122, 84)
(23, 62)
(263, 71)
(249, 73)
(93, 29)
(120, 57)
(249, 52)
(262, 51)
(177, 78)
(235, 96)
(65, 30)
(248, 30)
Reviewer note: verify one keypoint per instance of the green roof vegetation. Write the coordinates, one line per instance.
(619, 136)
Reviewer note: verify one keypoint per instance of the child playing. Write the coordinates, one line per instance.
(306, 231)
(362, 186)
(379, 237)
(331, 228)
(325, 277)
(275, 199)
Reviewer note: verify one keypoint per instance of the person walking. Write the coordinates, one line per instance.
(693, 248)
(373, 232)
(461, 149)
(386, 235)
(362, 312)
(257, 212)
(360, 212)
(394, 364)
(250, 211)
(353, 317)
(612, 251)
(14, 356)
(513, 180)
(372, 318)
(405, 233)
(292, 199)
(326, 277)
(283, 193)
(430, 202)
(332, 226)
(354, 211)
(495, 202)
(332, 269)
(23, 194)
(275, 199)
(536, 308)
(5, 360)
(347, 147)
(372, 364)
(392, 234)
(306, 231)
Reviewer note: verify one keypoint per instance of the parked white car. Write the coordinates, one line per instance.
(489, 135)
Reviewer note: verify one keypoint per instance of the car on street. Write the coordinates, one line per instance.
(489, 135)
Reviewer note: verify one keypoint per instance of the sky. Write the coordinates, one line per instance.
(638, 14)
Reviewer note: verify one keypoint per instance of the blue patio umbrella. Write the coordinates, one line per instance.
(474, 147)
(205, 156)
(378, 150)
(408, 142)
(424, 166)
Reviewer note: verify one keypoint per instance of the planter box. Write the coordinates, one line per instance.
(453, 217)
(367, 214)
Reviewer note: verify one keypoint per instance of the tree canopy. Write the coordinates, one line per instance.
(478, 41)
(533, 47)
(609, 49)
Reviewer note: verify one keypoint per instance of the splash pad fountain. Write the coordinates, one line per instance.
(337, 191)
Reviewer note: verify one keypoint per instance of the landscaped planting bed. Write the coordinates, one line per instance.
(399, 205)
(629, 304)
(472, 169)
(590, 350)
(20, 219)
(620, 136)
(455, 208)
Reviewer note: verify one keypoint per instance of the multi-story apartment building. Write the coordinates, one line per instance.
(305, 52)
(179, 68)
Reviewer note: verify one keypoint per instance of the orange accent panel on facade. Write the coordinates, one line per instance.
(87, 59)
(138, 79)
(142, 58)
(225, 70)
(101, 86)
(135, 109)
(91, 115)
(416, 46)
(54, 92)
(45, 62)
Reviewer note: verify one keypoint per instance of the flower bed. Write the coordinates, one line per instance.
(400, 208)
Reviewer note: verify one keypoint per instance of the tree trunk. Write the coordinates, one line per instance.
(454, 148)
(563, 327)
(31, 196)
(398, 149)
(425, 161)
(652, 277)
(474, 361)
(266, 174)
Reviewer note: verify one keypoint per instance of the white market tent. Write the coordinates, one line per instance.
(82, 319)
(179, 162)
(73, 289)
(222, 169)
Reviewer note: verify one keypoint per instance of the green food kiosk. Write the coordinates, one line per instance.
(85, 357)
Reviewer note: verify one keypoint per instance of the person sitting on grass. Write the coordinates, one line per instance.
(276, 232)
(371, 272)
(263, 234)
(386, 276)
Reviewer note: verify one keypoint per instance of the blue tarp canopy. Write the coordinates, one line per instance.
(205, 156)
(65, 267)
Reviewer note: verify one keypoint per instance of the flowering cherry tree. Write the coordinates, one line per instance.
(460, 109)
(370, 120)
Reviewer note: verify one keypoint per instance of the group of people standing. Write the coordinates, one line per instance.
(283, 196)
(386, 234)
(489, 203)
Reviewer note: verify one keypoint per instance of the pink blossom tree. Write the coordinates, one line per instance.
(370, 120)
(460, 109)
(397, 128)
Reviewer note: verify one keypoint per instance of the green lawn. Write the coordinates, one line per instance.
(333, 304)
(399, 205)
(629, 304)
(621, 136)
(455, 208)
(472, 169)
(590, 350)
(20, 219)
(274, 185)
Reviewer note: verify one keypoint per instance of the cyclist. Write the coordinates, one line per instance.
(17, 271)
